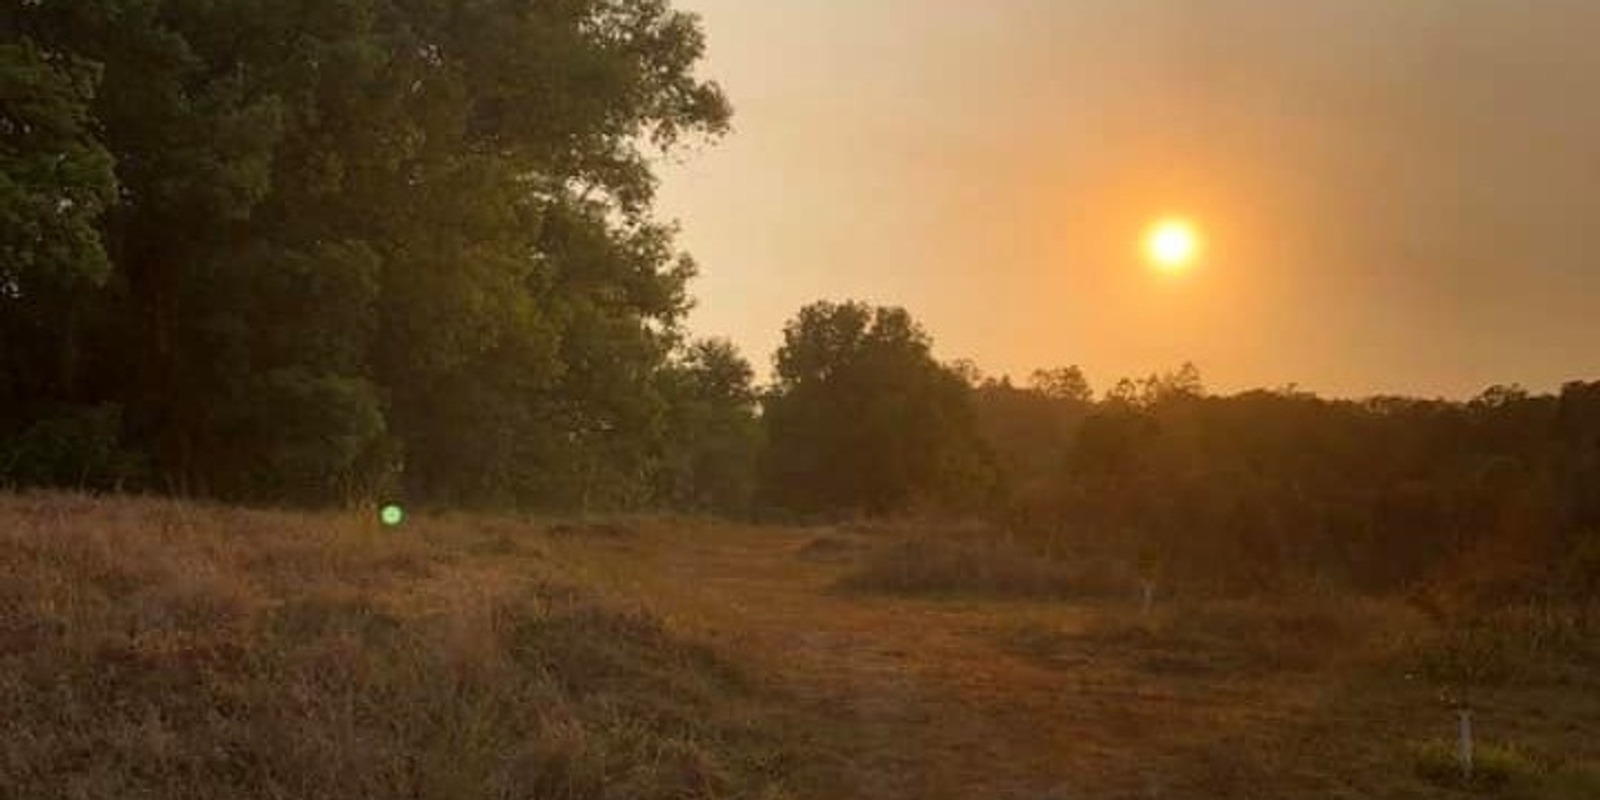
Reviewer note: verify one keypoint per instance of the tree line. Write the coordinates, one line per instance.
(1254, 490)
(320, 251)
(1268, 487)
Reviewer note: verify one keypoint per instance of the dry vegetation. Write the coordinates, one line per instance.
(954, 566)
(1219, 637)
(1314, 692)
(157, 649)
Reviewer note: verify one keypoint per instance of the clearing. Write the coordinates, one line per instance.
(160, 649)
(966, 697)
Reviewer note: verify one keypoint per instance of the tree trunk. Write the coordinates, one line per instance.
(67, 366)
(153, 277)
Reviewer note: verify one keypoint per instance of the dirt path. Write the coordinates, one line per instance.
(928, 701)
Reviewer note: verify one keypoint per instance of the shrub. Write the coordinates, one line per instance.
(593, 529)
(829, 548)
(1468, 656)
(1528, 641)
(1579, 572)
(78, 447)
(1494, 766)
(1506, 770)
(939, 566)
(1214, 637)
(1578, 780)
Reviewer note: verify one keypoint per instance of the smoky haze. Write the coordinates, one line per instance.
(1396, 197)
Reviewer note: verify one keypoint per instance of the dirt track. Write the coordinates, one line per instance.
(930, 702)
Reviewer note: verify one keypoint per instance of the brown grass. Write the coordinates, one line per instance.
(975, 567)
(1531, 642)
(833, 548)
(156, 649)
(1505, 771)
(1242, 637)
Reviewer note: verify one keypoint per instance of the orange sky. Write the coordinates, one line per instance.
(1396, 197)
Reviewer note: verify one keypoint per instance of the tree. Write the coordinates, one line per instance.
(1031, 431)
(1062, 383)
(56, 182)
(863, 418)
(713, 436)
(56, 179)
(360, 240)
(1183, 383)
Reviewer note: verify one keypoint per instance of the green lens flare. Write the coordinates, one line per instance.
(392, 515)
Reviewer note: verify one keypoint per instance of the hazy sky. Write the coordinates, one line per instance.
(1396, 196)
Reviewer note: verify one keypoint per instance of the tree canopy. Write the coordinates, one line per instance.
(304, 247)
(862, 417)
(1264, 487)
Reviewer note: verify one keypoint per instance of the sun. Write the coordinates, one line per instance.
(1172, 245)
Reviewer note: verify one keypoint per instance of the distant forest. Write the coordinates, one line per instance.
(338, 251)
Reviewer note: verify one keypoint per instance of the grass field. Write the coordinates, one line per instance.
(156, 649)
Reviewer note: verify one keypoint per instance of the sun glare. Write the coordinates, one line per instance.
(1172, 245)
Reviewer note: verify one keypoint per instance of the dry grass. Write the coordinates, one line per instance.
(156, 649)
(1523, 643)
(1285, 635)
(1321, 696)
(833, 548)
(1073, 693)
(1211, 639)
(957, 566)
(1505, 771)
(594, 529)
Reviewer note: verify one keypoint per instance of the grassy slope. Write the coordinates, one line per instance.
(156, 649)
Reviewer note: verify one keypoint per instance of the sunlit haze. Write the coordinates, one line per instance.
(1395, 197)
(1172, 245)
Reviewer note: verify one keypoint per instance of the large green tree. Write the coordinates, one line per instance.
(56, 182)
(713, 437)
(863, 418)
(367, 245)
